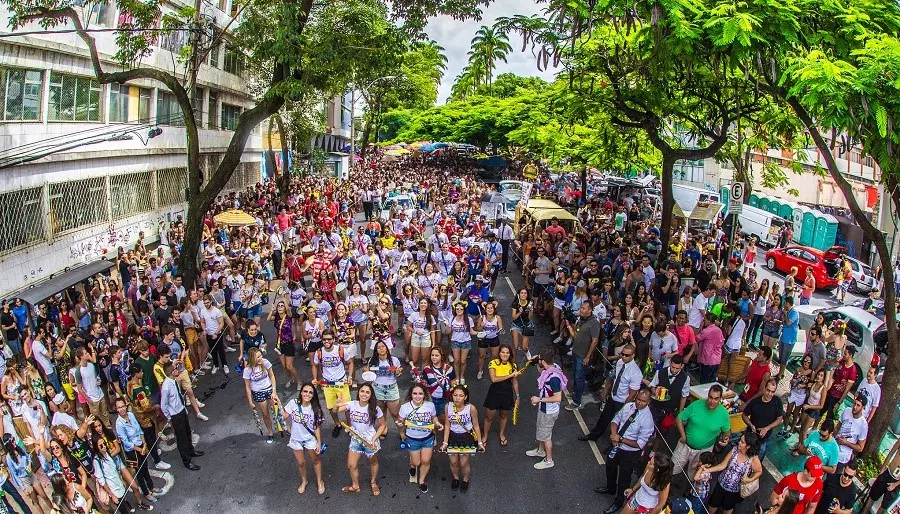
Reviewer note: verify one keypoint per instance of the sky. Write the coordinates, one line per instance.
(455, 36)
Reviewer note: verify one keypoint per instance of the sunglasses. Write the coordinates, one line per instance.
(626, 355)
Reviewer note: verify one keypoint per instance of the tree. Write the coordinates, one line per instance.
(488, 47)
(635, 64)
(302, 44)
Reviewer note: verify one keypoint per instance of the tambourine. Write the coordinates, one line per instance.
(369, 376)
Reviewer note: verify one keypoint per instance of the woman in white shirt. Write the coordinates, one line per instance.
(259, 383)
(417, 422)
(306, 436)
(421, 327)
(366, 422)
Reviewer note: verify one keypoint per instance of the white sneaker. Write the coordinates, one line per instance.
(537, 452)
(214, 370)
(206, 365)
(195, 438)
(162, 465)
(558, 340)
(544, 464)
(573, 407)
(229, 349)
(225, 369)
(199, 373)
(202, 417)
(200, 404)
(480, 374)
(450, 358)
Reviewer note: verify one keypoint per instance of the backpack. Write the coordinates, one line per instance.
(294, 271)
(319, 353)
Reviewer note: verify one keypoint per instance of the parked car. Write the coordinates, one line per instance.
(824, 264)
(865, 332)
(863, 279)
(762, 224)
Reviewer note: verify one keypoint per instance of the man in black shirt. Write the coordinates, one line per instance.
(763, 414)
(839, 492)
(163, 314)
(706, 274)
(10, 327)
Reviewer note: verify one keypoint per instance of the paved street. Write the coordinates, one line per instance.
(241, 473)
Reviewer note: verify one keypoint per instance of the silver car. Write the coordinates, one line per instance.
(863, 279)
(865, 332)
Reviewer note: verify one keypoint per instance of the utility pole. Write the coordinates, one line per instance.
(352, 124)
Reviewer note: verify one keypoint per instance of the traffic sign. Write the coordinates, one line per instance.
(736, 199)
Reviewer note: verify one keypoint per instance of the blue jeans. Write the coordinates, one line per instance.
(784, 352)
(763, 446)
(578, 371)
(53, 378)
(10, 490)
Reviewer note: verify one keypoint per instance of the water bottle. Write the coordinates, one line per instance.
(613, 451)
(323, 448)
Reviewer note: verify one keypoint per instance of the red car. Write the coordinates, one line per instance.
(824, 264)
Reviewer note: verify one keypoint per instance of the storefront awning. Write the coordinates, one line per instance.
(60, 281)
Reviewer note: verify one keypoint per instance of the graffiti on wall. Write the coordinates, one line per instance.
(105, 243)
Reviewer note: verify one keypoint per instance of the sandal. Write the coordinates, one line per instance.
(375, 489)
(302, 488)
(349, 489)
(322, 489)
(504, 442)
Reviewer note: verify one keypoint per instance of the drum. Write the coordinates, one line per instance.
(307, 251)
(341, 290)
(368, 376)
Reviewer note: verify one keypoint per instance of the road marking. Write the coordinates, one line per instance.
(578, 417)
(772, 470)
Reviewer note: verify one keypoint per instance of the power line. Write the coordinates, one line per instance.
(92, 31)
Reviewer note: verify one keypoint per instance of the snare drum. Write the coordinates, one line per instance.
(307, 251)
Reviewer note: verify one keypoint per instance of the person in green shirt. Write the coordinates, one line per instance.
(700, 426)
(146, 361)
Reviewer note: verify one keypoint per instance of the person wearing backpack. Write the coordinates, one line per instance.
(333, 371)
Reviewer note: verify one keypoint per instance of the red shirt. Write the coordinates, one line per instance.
(685, 336)
(811, 494)
(552, 231)
(754, 379)
(841, 374)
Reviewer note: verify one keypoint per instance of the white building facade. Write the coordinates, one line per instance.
(79, 176)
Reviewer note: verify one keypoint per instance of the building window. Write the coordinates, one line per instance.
(74, 98)
(118, 103)
(214, 54)
(213, 108)
(21, 90)
(168, 112)
(129, 194)
(77, 204)
(230, 115)
(223, 5)
(145, 99)
(233, 62)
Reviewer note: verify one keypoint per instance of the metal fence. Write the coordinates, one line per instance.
(40, 214)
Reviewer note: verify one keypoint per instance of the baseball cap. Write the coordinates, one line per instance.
(814, 467)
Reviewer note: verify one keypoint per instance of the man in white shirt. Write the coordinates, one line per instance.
(621, 389)
(444, 260)
(663, 343)
(630, 432)
(89, 384)
(851, 432)
(698, 308)
(42, 356)
(872, 391)
(505, 235)
(213, 323)
(172, 406)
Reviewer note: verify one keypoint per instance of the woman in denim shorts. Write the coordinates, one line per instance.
(462, 328)
(417, 421)
(386, 368)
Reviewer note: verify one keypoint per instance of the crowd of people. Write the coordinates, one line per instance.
(97, 376)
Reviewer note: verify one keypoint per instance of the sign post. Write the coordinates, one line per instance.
(735, 203)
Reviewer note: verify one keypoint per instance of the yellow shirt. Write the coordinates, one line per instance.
(500, 369)
(388, 242)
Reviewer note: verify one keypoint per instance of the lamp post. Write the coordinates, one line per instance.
(353, 117)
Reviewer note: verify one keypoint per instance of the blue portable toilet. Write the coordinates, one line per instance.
(797, 219)
(775, 206)
(809, 227)
(826, 231)
(754, 199)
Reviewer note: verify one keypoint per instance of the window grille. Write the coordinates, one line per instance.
(77, 204)
(171, 184)
(21, 218)
(130, 194)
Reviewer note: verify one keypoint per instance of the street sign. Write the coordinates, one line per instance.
(736, 199)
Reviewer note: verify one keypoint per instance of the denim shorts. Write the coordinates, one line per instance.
(254, 312)
(357, 447)
(303, 444)
(386, 393)
(461, 345)
(415, 445)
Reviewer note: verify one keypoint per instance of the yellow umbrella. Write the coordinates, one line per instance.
(235, 217)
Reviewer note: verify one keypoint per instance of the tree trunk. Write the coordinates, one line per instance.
(668, 203)
(891, 380)
(193, 233)
(584, 173)
(284, 185)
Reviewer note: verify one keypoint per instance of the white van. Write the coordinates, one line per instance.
(687, 197)
(762, 224)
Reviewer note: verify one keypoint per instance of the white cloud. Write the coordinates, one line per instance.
(455, 37)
